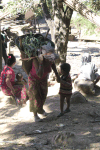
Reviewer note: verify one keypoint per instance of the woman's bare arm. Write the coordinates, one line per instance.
(9, 83)
(56, 72)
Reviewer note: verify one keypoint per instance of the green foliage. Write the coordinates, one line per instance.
(93, 4)
(32, 44)
(82, 23)
(96, 4)
(49, 5)
(13, 7)
(20, 6)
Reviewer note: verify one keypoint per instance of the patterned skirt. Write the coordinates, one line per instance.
(20, 92)
(37, 94)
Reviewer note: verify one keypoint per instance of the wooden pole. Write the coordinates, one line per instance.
(20, 41)
(47, 33)
(9, 47)
(0, 50)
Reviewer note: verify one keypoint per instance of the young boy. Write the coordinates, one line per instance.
(20, 79)
(65, 88)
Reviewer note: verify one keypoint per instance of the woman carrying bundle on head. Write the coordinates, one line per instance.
(7, 81)
(37, 79)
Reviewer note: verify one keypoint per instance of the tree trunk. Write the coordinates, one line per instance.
(48, 19)
(62, 22)
(83, 10)
(59, 27)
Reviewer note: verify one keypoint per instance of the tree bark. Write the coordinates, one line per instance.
(83, 10)
(48, 19)
(59, 26)
(62, 22)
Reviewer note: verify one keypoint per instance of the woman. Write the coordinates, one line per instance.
(37, 79)
(7, 81)
(87, 74)
(88, 69)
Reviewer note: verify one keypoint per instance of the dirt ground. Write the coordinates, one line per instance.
(76, 130)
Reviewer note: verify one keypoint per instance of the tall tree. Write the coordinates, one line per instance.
(48, 18)
(62, 20)
(59, 25)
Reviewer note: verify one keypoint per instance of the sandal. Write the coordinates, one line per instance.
(61, 114)
(67, 110)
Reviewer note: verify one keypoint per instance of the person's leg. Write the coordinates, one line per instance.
(36, 117)
(42, 94)
(34, 100)
(35, 114)
(62, 97)
(68, 104)
(32, 109)
(61, 102)
(68, 101)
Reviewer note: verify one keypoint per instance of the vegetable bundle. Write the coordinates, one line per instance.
(32, 45)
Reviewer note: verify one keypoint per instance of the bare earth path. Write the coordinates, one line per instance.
(77, 130)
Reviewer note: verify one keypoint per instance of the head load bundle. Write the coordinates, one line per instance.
(32, 45)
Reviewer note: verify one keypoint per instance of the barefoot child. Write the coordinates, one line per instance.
(20, 79)
(65, 88)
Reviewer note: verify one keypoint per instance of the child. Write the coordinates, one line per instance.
(20, 79)
(7, 80)
(65, 88)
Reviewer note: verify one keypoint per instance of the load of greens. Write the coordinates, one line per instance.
(31, 44)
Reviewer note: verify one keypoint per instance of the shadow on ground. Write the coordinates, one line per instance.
(78, 129)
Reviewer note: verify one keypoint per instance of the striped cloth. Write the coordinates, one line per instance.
(65, 85)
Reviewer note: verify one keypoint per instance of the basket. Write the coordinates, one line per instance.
(27, 64)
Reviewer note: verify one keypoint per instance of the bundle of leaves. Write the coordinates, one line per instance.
(31, 44)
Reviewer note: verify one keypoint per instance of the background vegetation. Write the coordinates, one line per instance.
(79, 22)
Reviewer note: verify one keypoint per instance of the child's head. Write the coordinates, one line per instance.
(11, 60)
(65, 68)
(19, 76)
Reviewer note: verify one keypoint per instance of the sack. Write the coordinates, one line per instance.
(26, 64)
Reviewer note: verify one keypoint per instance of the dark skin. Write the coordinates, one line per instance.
(39, 63)
(21, 80)
(62, 96)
